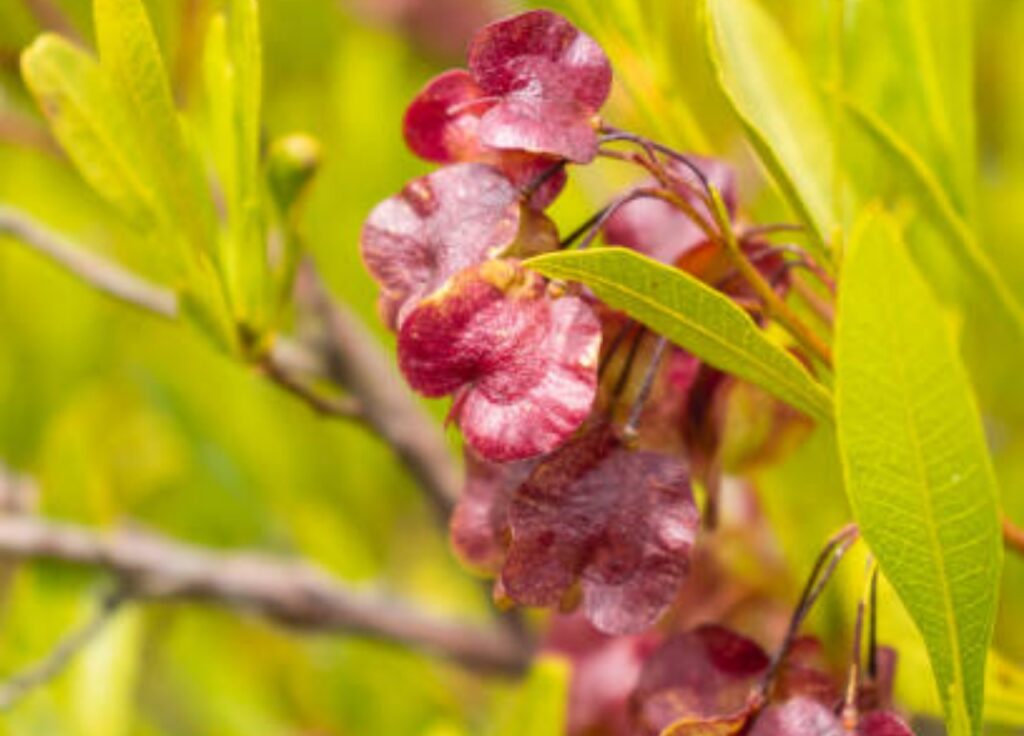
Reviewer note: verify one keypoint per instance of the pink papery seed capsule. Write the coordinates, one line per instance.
(439, 224)
(616, 524)
(520, 364)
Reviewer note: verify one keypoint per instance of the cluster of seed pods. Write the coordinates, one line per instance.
(568, 504)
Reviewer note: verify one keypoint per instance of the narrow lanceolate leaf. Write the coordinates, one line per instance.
(692, 315)
(934, 198)
(130, 56)
(916, 465)
(923, 85)
(775, 99)
(91, 123)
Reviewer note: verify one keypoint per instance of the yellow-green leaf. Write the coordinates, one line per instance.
(923, 84)
(131, 57)
(92, 125)
(692, 315)
(932, 197)
(916, 466)
(775, 99)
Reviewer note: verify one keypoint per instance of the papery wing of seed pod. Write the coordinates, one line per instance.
(439, 224)
(479, 524)
(699, 678)
(441, 122)
(805, 674)
(525, 169)
(442, 125)
(554, 128)
(797, 716)
(604, 672)
(550, 79)
(882, 723)
(618, 523)
(521, 364)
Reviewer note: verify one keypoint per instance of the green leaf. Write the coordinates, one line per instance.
(232, 71)
(930, 194)
(916, 465)
(923, 84)
(130, 55)
(539, 707)
(775, 100)
(92, 124)
(692, 315)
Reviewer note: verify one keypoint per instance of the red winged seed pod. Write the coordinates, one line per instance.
(618, 524)
(520, 364)
(605, 670)
(442, 125)
(548, 80)
(479, 524)
(438, 225)
(704, 674)
(528, 101)
(710, 681)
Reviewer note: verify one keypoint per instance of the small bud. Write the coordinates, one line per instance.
(293, 162)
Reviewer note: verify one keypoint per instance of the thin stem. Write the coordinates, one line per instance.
(583, 228)
(615, 134)
(530, 189)
(105, 276)
(56, 661)
(644, 392)
(754, 231)
(613, 347)
(774, 305)
(821, 308)
(668, 193)
(824, 566)
(627, 368)
(343, 407)
(593, 225)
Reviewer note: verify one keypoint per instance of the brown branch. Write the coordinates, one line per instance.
(343, 407)
(96, 271)
(357, 362)
(351, 357)
(149, 567)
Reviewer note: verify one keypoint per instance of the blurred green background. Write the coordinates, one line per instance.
(120, 416)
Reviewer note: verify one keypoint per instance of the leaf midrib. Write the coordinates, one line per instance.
(950, 619)
(818, 405)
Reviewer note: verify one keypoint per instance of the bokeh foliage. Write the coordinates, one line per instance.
(121, 416)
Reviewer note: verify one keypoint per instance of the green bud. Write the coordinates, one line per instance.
(293, 162)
